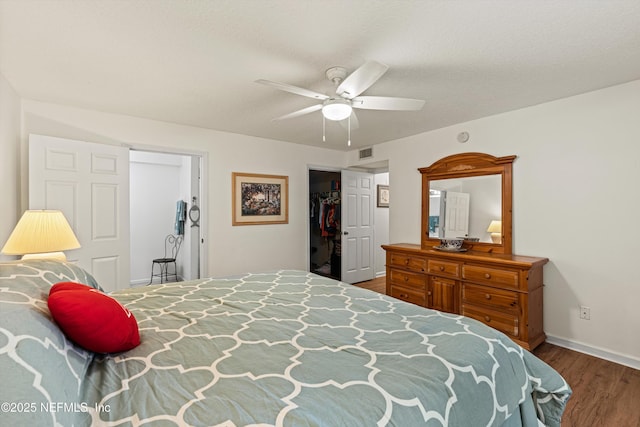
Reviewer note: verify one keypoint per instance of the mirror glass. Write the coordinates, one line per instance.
(464, 207)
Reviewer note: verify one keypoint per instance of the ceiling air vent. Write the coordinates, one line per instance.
(365, 153)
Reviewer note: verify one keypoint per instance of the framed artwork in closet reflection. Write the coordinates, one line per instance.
(383, 196)
(259, 199)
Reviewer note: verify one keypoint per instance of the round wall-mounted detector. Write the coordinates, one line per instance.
(463, 136)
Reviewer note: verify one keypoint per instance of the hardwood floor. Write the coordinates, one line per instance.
(605, 394)
(379, 284)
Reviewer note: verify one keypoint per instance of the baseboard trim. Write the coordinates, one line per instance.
(144, 282)
(620, 359)
(137, 283)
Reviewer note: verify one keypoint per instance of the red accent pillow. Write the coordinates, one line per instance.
(92, 319)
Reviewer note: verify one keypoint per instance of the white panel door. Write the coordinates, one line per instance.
(357, 227)
(89, 183)
(456, 222)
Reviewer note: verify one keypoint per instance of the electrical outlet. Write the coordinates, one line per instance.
(585, 312)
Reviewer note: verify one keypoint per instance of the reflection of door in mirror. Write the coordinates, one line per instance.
(456, 215)
(448, 214)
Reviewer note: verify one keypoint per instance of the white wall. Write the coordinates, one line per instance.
(231, 249)
(575, 201)
(10, 161)
(381, 224)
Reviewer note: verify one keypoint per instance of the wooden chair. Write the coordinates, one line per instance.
(171, 248)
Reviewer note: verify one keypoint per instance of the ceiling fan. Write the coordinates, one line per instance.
(347, 95)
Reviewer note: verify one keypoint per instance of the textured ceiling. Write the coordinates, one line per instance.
(195, 62)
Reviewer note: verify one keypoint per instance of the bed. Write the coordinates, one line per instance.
(286, 348)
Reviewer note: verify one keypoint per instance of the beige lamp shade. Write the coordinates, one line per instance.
(41, 232)
(495, 228)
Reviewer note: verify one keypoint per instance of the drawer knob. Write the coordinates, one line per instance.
(487, 319)
(406, 261)
(406, 278)
(404, 296)
(442, 268)
(429, 293)
(487, 296)
(487, 276)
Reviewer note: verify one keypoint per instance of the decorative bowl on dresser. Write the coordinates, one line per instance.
(483, 280)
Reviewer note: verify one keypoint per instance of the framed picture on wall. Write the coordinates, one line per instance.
(259, 199)
(383, 196)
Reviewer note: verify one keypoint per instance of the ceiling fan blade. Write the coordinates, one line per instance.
(387, 103)
(361, 79)
(355, 124)
(300, 112)
(294, 89)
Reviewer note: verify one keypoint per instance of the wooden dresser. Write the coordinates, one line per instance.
(501, 290)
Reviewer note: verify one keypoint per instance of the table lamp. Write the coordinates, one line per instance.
(495, 228)
(41, 234)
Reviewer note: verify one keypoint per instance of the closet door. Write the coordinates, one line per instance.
(89, 183)
(357, 226)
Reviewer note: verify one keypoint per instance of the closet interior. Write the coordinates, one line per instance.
(324, 208)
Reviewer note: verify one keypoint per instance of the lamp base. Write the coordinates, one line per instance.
(60, 256)
(496, 238)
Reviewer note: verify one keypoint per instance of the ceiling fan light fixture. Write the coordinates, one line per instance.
(336, 109)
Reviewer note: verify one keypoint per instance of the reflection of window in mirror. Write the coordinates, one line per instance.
(435, 200)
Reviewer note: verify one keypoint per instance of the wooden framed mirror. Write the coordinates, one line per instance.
(468, 196)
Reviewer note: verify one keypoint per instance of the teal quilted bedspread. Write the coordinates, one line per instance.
(285, 348)
(292, 348)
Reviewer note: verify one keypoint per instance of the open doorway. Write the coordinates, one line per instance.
(164, 190)
(324, 224)
(330, 255)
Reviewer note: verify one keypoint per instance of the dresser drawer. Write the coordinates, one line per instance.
(504, 322)
(446, 268)
(407, 279)
(409, 295)
(491, 297)
(490, 276)
(413, 263)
